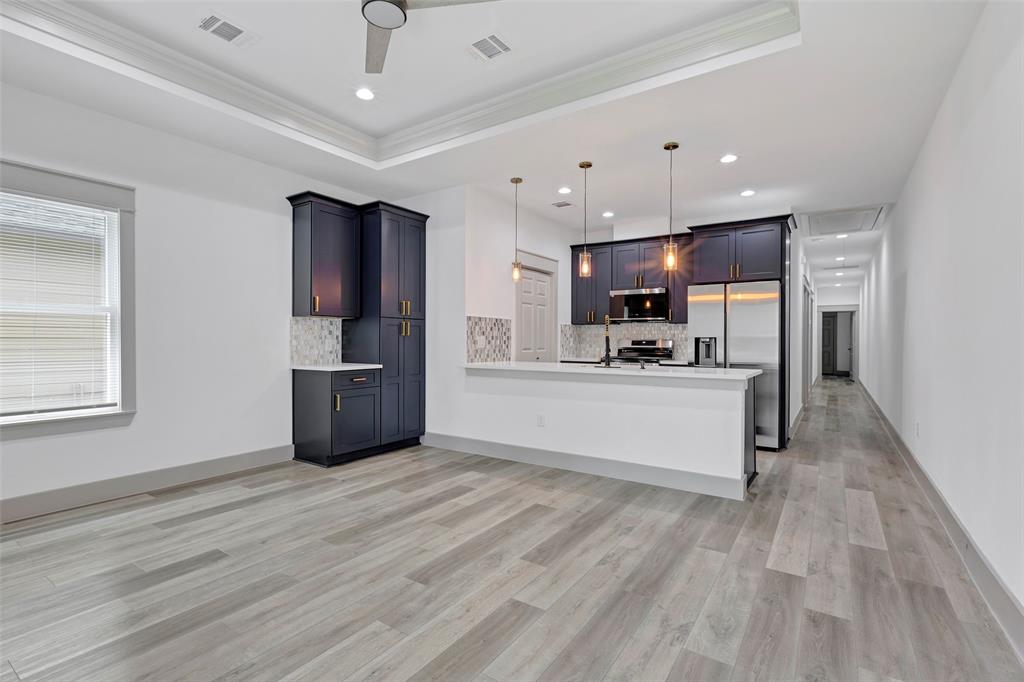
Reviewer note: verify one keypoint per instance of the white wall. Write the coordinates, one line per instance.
(213, 289)
(947, 283)
(798, 270)
(490, 246)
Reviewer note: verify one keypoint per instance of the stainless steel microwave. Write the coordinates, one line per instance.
(638, 305)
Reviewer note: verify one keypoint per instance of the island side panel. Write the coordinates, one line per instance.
(686, 429)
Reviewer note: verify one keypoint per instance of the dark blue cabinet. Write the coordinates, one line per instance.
(325, 257)
(590, 294)
(335, 415)
(743, 252)
(392, 329)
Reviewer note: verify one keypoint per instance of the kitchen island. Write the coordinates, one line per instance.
(690, 428)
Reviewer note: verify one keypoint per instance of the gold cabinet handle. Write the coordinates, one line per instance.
(731, 266)
(404, 307)
(316, 304)
(669, 314)
(357, 380)
(337, 402)
(739, 269)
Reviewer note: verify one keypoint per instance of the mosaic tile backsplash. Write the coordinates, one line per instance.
(316, 340)
(587, 341)
(488, 339)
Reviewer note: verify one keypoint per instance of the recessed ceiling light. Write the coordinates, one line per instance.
(564, 190)
(728, 158)
(840, 258)
(839, 274)
(365, 94)
(747, 193)
(838, 285)
(842, 236)
(608, 214)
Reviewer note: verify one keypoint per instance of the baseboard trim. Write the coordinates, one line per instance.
(705, 484)
(1004, 605)
(49, 501)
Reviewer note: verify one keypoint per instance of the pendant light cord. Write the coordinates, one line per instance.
(584, 209)
(671, 155)
(517, 223)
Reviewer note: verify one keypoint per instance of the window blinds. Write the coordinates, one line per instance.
(59, 308)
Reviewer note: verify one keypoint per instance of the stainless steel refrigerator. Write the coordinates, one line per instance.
(746, 319)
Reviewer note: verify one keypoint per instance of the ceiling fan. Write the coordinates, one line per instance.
(384, 16)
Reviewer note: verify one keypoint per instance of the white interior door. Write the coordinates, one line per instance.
(535, 317)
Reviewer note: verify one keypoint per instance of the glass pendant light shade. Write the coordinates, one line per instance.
(517, 267)
(671, 248)
(585, 263)
(671, 255)
(585, 269)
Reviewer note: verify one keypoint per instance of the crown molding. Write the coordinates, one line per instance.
(748, 34)
(81, 34)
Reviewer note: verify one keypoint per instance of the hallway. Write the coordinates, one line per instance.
(432, 564)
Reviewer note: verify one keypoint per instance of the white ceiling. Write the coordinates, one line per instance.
(835, 120)
(312, 53)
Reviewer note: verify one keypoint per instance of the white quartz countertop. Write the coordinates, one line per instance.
(340, 367)
(717, 374)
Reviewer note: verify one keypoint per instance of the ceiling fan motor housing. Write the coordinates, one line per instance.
(386, 14)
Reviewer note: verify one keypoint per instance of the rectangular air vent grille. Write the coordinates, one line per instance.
(490, 47)
(561, 204)
(228, 31)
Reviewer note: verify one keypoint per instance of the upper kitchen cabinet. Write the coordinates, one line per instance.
(739, 252)
(638, 264)
(590, 294)
(626, 265)
(403, 260)
(713, 256)
(652, 264)
(325, 257)
(759, 252)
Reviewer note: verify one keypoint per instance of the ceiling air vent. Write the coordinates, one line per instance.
(844, 221)
(561, 204)
(216, 24)
(490, 47)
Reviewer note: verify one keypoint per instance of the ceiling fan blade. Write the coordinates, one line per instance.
(377, 40)
(429, 4)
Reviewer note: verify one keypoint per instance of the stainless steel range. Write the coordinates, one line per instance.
(647, 350)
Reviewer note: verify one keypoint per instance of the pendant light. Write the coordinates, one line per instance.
(517, 267)
(671, 247)
(585, 269)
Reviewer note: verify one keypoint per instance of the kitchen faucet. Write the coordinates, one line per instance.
(607, 342)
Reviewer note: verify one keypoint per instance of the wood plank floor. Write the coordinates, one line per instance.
(428, 564)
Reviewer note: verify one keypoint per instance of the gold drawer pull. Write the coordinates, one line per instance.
(337, 402)
(357, 380)
(316, 304)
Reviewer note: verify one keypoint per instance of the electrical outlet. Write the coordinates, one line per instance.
(541, 421)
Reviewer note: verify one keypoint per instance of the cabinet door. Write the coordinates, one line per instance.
(759, 252)
(391, 379)
(412, 265)
(713, 256)
(350, 257)
(390, 265)
(414, 360)
(327, 245)
(600, 281)
(581, 291)
(356, 420)
(626, 266)
(652, 264)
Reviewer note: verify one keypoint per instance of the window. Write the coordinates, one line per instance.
(62, 350)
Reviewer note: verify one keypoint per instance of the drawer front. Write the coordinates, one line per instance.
(342, 381)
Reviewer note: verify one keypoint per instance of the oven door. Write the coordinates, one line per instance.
(638, 304)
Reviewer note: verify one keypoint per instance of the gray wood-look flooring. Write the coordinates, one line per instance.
(428, 564)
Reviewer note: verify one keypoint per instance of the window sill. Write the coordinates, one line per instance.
(54, 425)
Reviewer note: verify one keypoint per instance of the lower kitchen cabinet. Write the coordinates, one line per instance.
(332, 421)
